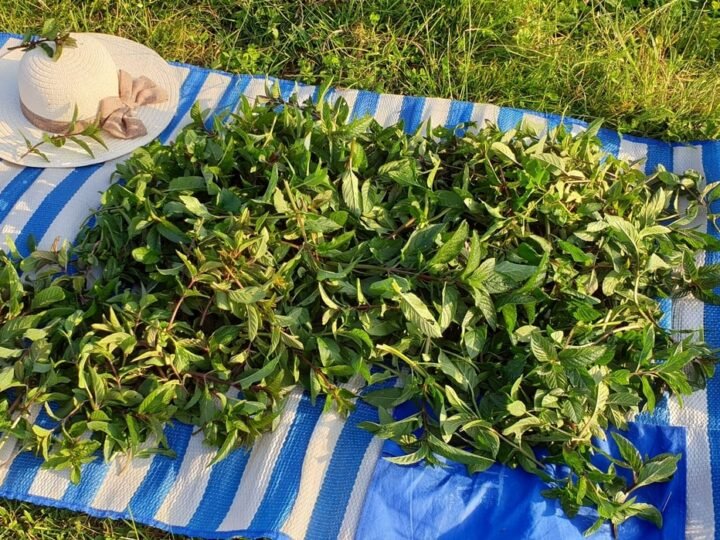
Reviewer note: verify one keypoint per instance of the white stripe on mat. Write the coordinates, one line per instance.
(8, 171)
(688, 314)
(7, 447)
(50, 484)
(388, 109)
(634, 151)
(259, 470)
(688, 157)
(315, 465)
(436, 110)
(122, 480)
(362, 483)
(535, 122)
(29, 202)
(188, 490)
(700, 518)
(484, 114)
(304, 92)
(255, 88)
(191, 482)
(350, 96)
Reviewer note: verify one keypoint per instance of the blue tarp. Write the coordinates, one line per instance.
(422, 502)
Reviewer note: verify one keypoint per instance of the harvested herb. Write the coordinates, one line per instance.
(79, 135)
(509, 282)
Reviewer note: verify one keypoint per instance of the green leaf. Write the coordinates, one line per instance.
(409, 459)
(595, 527)
(158, 399)
(452, 247)
(449, 303)
(649, 394)
(542, 348)
(521, 426)
(255, 376)
(647, 512)
(351, 191)
(228, 445)
(625, 232)
(486, 306)
(418, 313)
(82, 144)
(474, 462)
(145, 255)
(516, 272)
(659, 469)
(254, 322)
(473, 257)
(6, 353)
(248, 295)
(47, 297)
(186, 183)
(628, 452)
(194, 206)
(7, 378)
(421, 240)
(504, 150)
(516, 408)
(387, 398)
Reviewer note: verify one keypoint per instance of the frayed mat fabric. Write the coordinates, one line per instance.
(319, 476)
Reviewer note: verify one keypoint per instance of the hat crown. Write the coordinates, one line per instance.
(81, 77)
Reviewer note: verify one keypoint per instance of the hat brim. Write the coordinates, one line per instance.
(129, 56)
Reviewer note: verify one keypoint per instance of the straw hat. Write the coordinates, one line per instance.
(125, 87)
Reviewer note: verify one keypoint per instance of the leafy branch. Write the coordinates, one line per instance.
(49, 33)
(73, 133)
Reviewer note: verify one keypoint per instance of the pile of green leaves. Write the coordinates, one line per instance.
(509, 282)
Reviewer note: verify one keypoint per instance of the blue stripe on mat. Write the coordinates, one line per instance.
(610, 141)
(188, 94)
(658, 154)
(661, 415)
(554, 121)
(460, 112)
(411, 112)
(26, 465)
(287, 88)
(92, 476)
(161, 475)
(711, 324)
(284, 484)
(332, 502)
(224, 479)
(365, 104)
(230, 98)
(51, 206)
(509, 118)
(16, 188)
(711, 162)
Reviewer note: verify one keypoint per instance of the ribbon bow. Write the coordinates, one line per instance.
(117, 113)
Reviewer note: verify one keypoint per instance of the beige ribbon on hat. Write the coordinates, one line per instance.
(117, 113)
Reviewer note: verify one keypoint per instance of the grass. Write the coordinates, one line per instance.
(648, 67)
